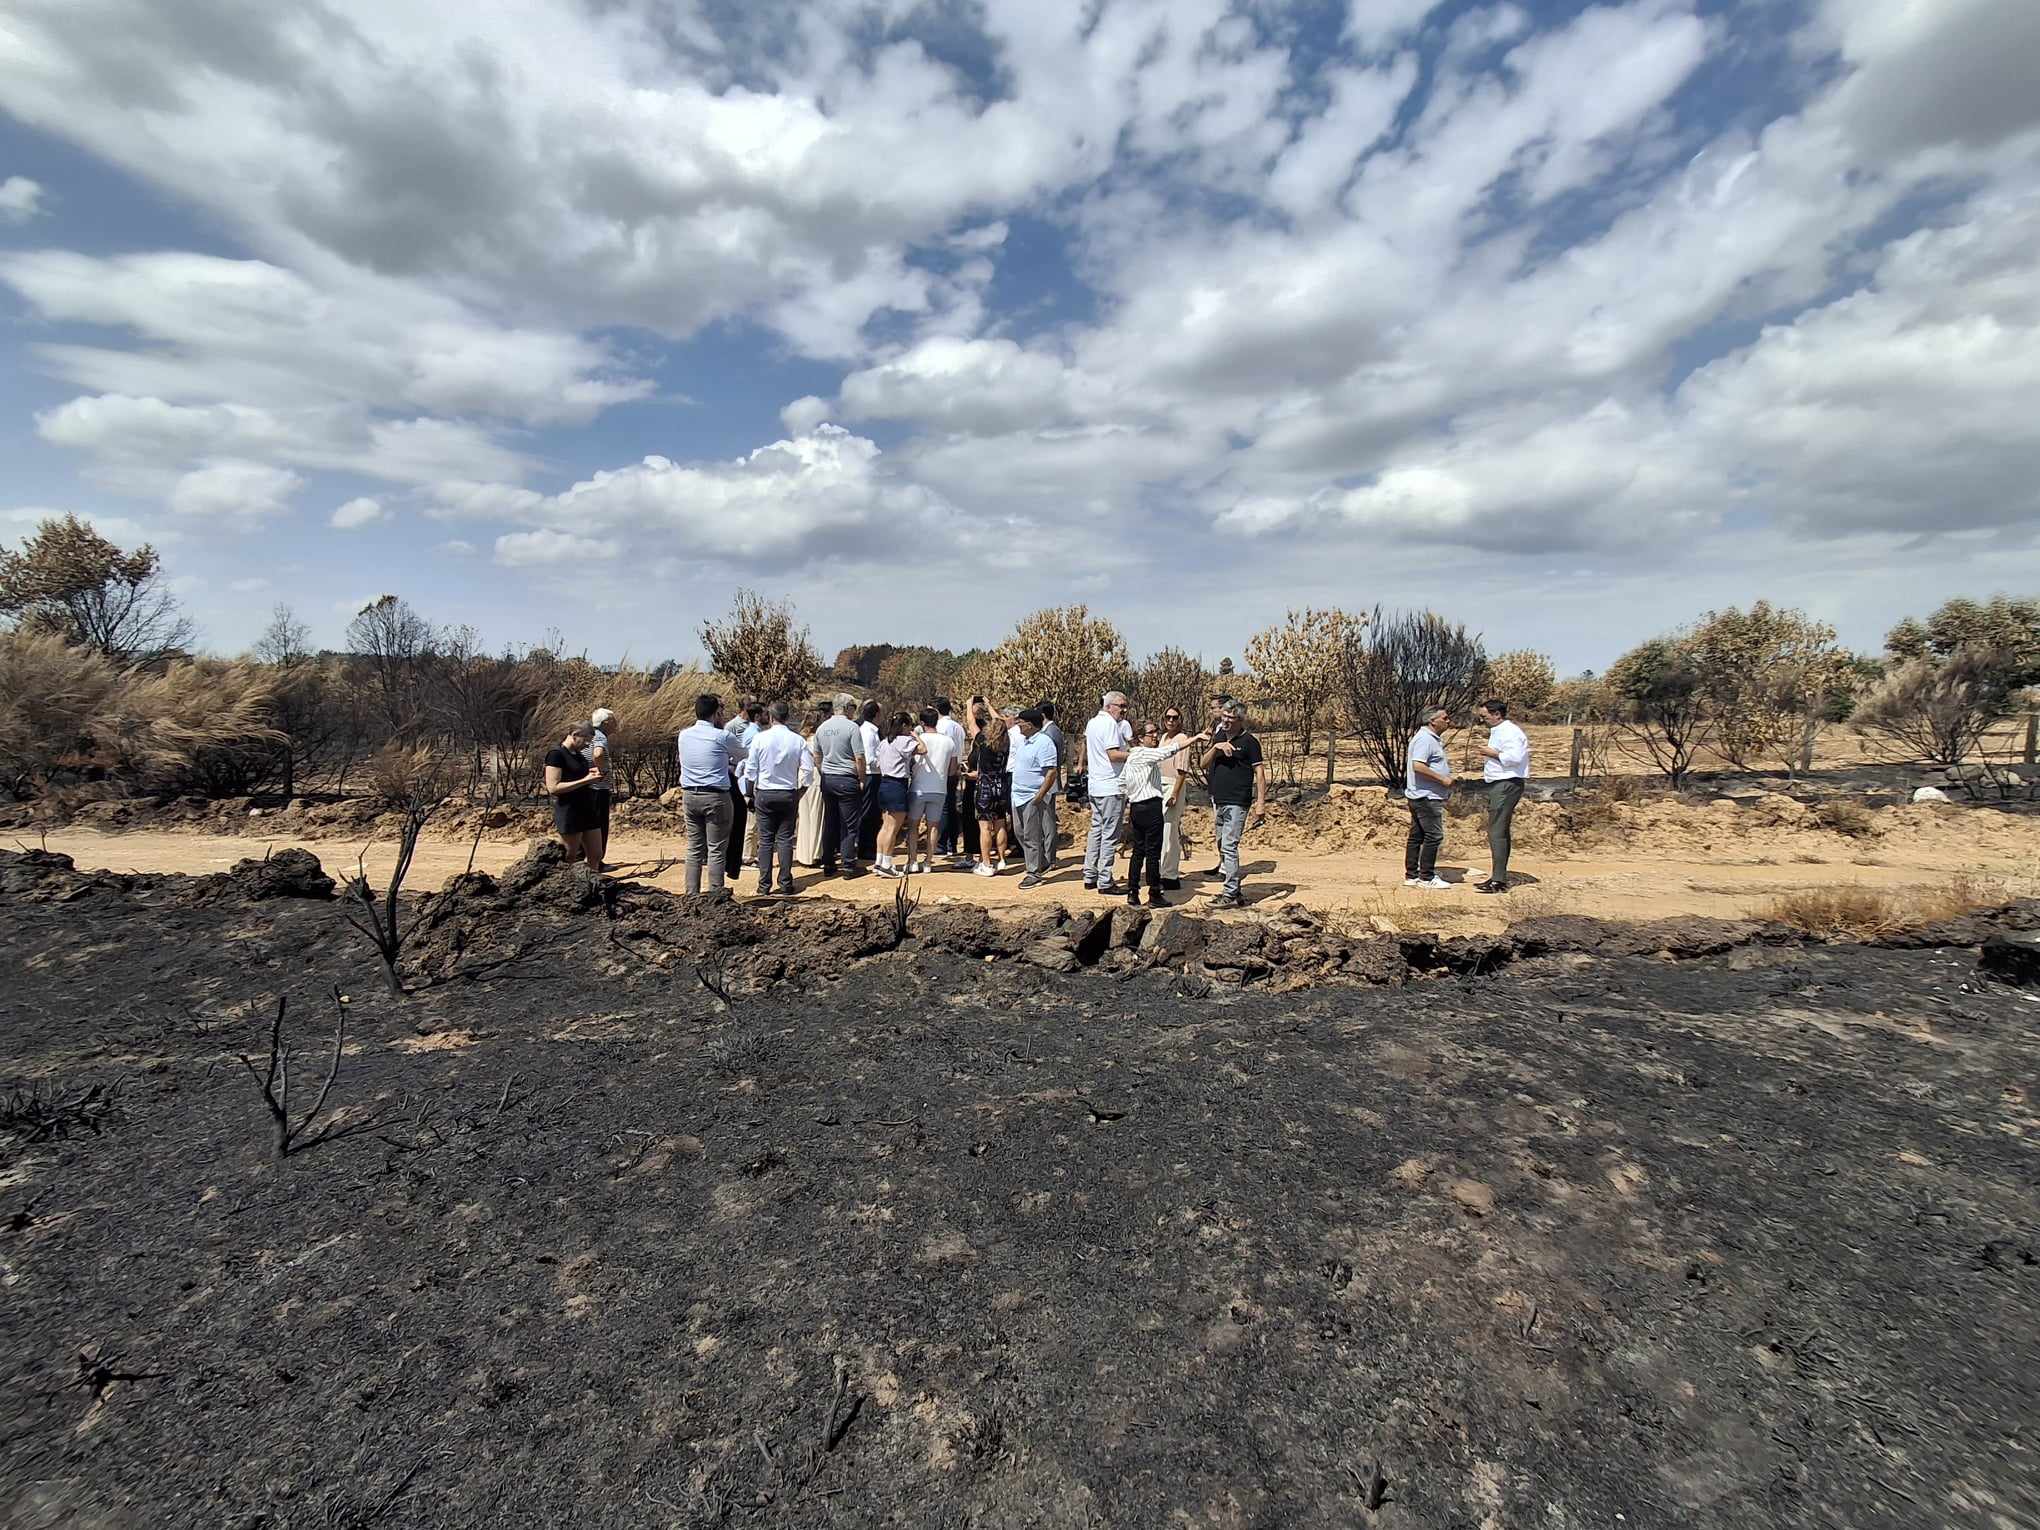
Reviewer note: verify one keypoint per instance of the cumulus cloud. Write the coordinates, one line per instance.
(797, 499)
(1141, 279)
(20, 199)
(234, 491)
(456, 547)
(357, 513)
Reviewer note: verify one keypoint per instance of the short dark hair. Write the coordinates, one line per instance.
(780, 711)
(1033, 715)
(942, 705)
(869, 711)
(1046, 709)
(902, 722)
(928, 717)
(706, 705)
(754, 710)
(1497, 706)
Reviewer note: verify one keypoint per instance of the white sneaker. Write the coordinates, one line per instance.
(1437, 884)
(1413, 881)
(984, 869)
(920, 868)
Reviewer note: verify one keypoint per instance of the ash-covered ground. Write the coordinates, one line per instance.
(637, 1213)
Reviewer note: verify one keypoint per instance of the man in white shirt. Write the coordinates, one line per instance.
(932, 787)
(956, 830)
(709, 757)
(598, 794)
(1106, 740)
(778, 769)
(1505, 766)
(867, 832)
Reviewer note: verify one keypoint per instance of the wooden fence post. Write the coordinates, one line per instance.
(2032, 737)
(1579, 736)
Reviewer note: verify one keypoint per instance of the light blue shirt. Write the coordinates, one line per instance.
(1428, 749)
(707, 756)
(1030, 761)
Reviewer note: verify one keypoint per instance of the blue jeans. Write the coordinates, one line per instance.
(1101, 844)
(1232, 824)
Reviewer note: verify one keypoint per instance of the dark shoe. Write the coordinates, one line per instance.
(1227, 900)
(1216, 871)
(1173, 884)
(1492, 886)
(1133, 899)
(1090, 887)
(1108, 889)
(1030, 880)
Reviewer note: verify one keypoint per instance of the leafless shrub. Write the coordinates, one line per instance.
(40, 1113)
(1940, 708)
(1395, 669)
(762, 647)
(296, 1136)
(381, 923)
(1840, 816)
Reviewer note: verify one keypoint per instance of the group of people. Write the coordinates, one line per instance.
(895, 795)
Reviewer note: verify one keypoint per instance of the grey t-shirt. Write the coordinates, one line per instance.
(1427, 748)
(840, 744)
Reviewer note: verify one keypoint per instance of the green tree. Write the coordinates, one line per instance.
(1660, 697)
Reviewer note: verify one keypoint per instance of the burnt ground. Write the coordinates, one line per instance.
(994, 1226)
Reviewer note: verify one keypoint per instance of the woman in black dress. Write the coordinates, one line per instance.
(576, 813)
(986, 770)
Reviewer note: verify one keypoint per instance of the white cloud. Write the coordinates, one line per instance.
(1376, 24)
(357, 513)
(119, 529)
(20, 199)
(234, 491)
(538, 549)
(455, 547)
(253, 586)
(799, 498)
(804, 414)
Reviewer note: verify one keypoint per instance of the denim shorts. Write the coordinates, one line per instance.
(892, 794)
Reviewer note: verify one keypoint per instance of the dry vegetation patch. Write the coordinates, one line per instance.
(1856, 912)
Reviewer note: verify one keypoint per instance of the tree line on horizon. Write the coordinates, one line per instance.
(96, 685)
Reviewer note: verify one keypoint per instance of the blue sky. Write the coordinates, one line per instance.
(1571, 321)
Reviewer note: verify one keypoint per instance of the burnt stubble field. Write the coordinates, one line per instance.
(636, 1214)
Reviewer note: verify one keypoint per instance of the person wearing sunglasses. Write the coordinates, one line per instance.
(1176, 780)
(1140, 781)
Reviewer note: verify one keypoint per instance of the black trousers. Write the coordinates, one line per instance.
(1427, 835)
(778, 814)
(967, 819)
(868, 820)
(1146, 819)
(842, 817)
(733, 861)
(945, 840)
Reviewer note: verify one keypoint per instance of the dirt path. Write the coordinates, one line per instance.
(1639, 886)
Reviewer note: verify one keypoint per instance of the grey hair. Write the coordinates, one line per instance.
(1112, 696)
(845, 701)
(1236, 710)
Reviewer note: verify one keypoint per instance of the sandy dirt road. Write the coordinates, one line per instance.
(1638, 886)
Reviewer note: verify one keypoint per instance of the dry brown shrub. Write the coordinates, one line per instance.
(202, 727)
(1855, 912)
(52, 696)
(1850, 819)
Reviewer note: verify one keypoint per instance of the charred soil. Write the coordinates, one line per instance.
(641, 1212)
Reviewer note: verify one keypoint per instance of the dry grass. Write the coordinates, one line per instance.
(1856, 912)
(1840, 816)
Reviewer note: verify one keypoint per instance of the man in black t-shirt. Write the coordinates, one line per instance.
(1238, 777)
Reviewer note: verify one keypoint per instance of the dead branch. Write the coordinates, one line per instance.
(713, 971)
(292, 1137)
(903, 911)
(381, 924)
